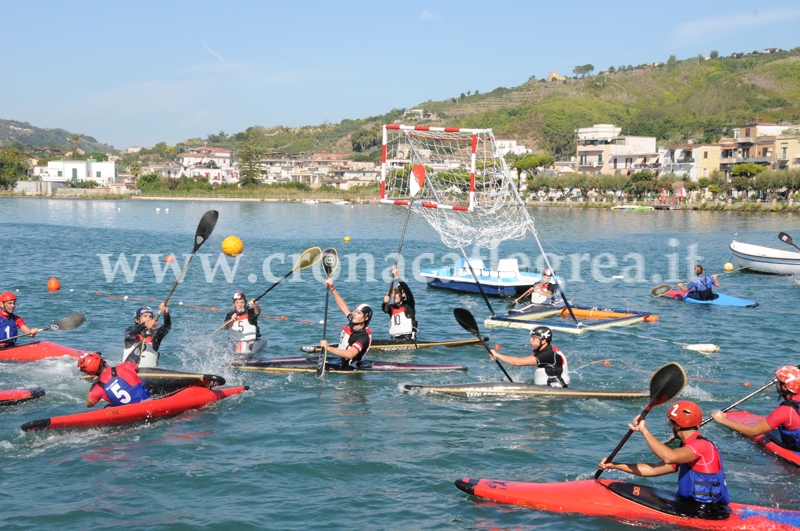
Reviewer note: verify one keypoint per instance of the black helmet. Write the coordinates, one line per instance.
(140, 311)
(366, 310)
(543, 333)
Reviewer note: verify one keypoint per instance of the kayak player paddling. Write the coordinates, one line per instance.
(701, 475)
(785, 418)
(145, 336)
(356, 337)
(700, 288)
(401, 310)
(118, 385)
(11, 324)
(542, 291)
(242, 322)
(551, 365)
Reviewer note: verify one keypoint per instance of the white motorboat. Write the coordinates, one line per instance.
(766, 259)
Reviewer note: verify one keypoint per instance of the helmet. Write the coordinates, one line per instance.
(789, 375)
(547, 271)
(90, 363)
(239, 296)
(140, 311)
(685, 414)
(366, 310)
(543, 333)
(7, 296)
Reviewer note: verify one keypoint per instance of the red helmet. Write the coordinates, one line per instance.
(90, 363)
(685, 414)
(789, 375)
(7, 296)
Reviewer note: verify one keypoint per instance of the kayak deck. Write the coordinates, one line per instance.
(165, 381)
(720, 299)
(334, 364)
(15, 396)
(39, 350)
(404, 344)
(614, 499)
(494, 389)
(768, 441)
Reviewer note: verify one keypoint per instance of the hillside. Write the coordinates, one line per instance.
(24, 133)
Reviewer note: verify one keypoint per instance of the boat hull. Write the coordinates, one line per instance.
(766, 440)
(191, 398)
(309, 364)
(403, 344)
(15, 396)
(595, 498)
(593, 319)
(495, 389)
(765, 259)
(39, 350)
(721, 300)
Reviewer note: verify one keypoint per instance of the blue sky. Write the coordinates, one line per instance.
(136, 73)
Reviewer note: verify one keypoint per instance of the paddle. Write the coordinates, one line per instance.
(467, 322)
(69, 322)
(665, 384)
(661, 289)
(785, 238)
(415, 183)
(330, 261)
(308, 258)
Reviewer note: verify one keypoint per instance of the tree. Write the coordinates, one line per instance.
(251, 152)
(75, 139)
(714, 54)
(612, 69)
(13, 167)
(671, 61)
(747, 169)
(135, 168)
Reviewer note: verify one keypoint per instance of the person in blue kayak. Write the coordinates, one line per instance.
(550, 363)
(701, 474)
(401, 310)
(118, 385)
(785, 418)
(143, 339)
(10, 323)
(700, 288)
(356, 337)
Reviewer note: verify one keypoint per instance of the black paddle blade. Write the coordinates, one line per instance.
(205, 228)
(666, 383)
(308, 258)
(466, 320)
(660, 290)
(330, 261)
(69, 322)
(785, 238)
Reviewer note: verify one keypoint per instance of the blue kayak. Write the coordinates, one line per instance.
(720, 299)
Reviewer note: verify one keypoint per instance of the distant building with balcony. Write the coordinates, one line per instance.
(787, 153)
(601, 150)
(691, 161)
(103, 173)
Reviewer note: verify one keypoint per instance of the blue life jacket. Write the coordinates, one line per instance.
(790, 439)
(8, 328)
(705, 488)
(121, 393)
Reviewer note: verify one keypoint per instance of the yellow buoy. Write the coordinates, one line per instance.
(232, 246)
(728, 267)
(347, 238)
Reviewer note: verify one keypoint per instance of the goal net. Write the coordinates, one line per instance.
(468, 195)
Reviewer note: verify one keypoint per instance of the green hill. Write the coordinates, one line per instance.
(12, 132)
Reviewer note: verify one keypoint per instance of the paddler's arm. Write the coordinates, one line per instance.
(256, 309)
(350, 353)
(716, 281)
(669, 456)
(527, 292)
(132, 333)
(638, 469)
(527, 361)
(338, 298)
(748, 431)
(90, 400)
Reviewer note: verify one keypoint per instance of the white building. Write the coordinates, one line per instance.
(103, 173)
(504, 147)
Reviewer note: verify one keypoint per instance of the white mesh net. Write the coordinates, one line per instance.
(468, 196)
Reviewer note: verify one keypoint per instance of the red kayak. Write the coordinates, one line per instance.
(768, 441)
(15, 396)
(630, 503)
(39, 350)
(182, 401)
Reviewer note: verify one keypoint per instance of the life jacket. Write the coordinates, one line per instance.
(242, 329)
(705, 482)
(149, 356)
(538, 298)
(790, 439)
(8, 328)
(553, 375)
(121, 392)
(400, 324)
(705, 294)
(345, 344)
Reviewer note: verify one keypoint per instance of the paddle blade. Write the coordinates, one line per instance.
(205, 228)
(666, 384)
(330, 261)
(466, 320)
(308, 258)
(69, 322)
(417, 180)
(785, 238)
(660, 290)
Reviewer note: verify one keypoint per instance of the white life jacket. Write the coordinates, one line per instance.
(540, 376)
(148, 357)
(400, 324)
(242, 329)
(538, 298)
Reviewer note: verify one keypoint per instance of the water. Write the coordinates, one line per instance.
(353, 451)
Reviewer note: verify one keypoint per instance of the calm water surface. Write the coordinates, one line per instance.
(355, 452)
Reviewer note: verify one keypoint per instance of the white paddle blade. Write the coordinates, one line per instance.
(330, 261)
(417, 180)
(702, 347)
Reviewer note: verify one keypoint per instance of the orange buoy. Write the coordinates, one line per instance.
(169, 259)
(607, 362)
(53, 284)
(747, 384)
(497, 347)
(283, 317)
(213, 308)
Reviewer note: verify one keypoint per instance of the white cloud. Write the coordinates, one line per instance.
(212, 52)
(697, 30)
(426, 15)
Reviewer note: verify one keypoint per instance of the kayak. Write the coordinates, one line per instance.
(39, 350)
(335, 364)
(15, 396)
(631, 503)
(769, 441)
(164, 381)
(188, 399)
(247, 349)
(404, 344)
(495, 389)
(720, 299)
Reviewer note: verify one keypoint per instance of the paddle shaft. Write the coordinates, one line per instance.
(625, 439)
(399, 247)
(20, 335)
(275, 284)
(485, 298)
(495, 360)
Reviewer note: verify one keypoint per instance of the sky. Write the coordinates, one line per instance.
(134, 73)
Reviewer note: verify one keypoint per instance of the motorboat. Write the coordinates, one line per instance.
(766, 259)
(505, 281)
